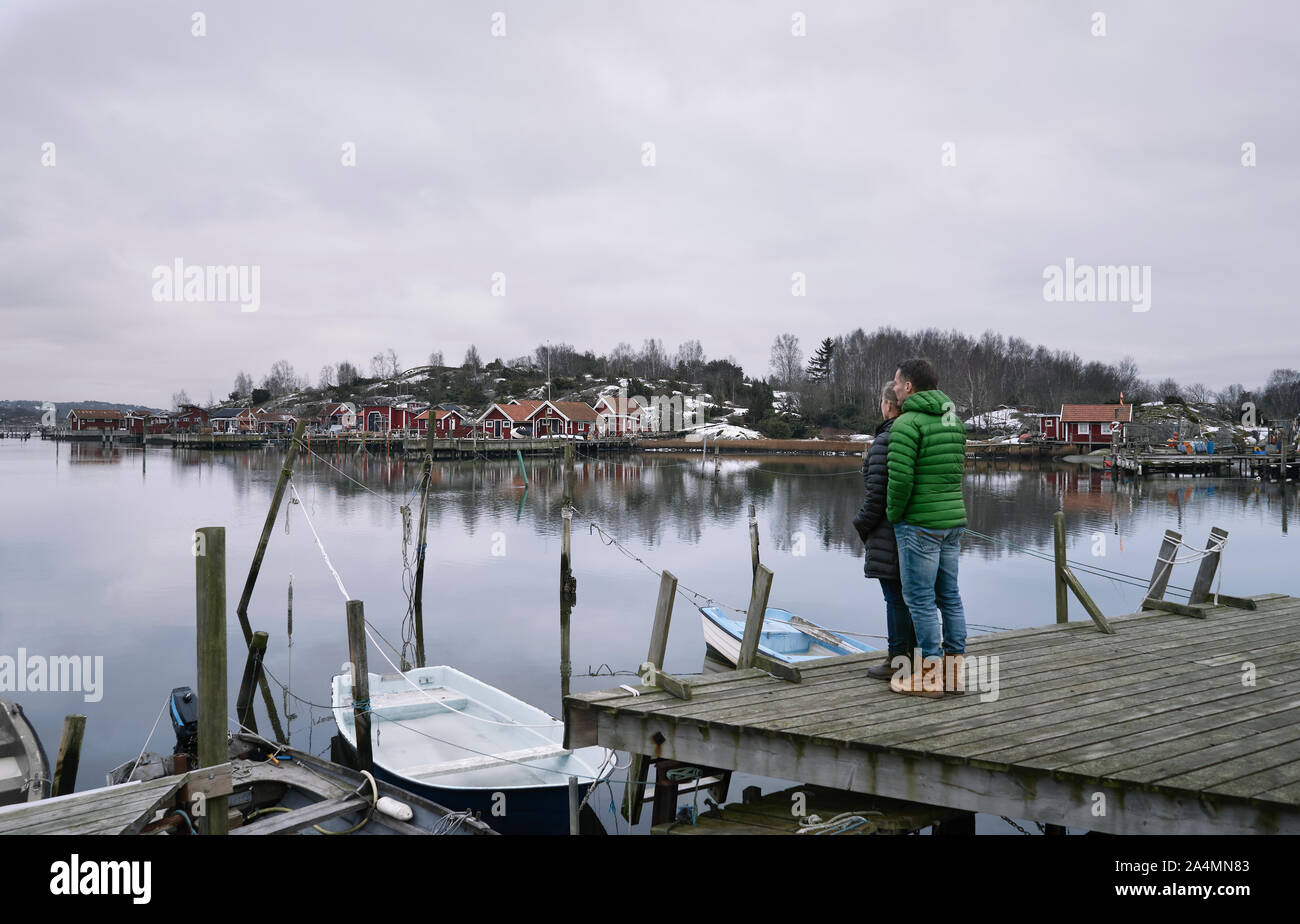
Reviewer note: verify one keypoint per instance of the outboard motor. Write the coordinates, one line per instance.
(185, 720)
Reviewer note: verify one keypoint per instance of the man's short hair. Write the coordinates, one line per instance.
(920, 373)
(889, 395)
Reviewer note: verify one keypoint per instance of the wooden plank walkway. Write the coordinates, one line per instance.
(123, 809)
(1149, 730)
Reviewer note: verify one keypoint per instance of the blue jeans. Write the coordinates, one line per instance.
(902, 638)
(927, 563)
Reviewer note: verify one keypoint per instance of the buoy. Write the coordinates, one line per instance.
(394, 809)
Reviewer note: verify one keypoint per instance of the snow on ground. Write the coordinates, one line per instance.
(860, 437)
(1002, 417)
(722, 432)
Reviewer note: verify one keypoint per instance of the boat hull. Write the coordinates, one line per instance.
(539, 810)
(782, 638)
(463, 743)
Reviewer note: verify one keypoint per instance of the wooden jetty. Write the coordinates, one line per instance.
(125, 809)
(1149, 730)
(1177, 719)
(1241, 464)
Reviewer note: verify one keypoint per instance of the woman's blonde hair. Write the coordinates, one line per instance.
(889, 395)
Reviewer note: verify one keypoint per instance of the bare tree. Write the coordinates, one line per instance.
(690, 360)
(472, 362)
(347, 374)
(326, 375)
(435, 359)
(243, 385)
(786, 360)
(281, 380)
(180, 399)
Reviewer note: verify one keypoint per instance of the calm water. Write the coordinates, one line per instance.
(95, 559)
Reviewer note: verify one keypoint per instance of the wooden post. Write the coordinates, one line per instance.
(360, 684)
(754, 618)
(1209, 565)
(568, 474)
(65, 769)
(418, 601)
(252, 670)
(634, 797)
(753, 540)
(573, 806)
(1062, 600)
(210, 605)
(1164, 565)
(242, 610)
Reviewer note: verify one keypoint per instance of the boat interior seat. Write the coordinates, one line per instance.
(411, 704)
(11, 779)
(786, 641)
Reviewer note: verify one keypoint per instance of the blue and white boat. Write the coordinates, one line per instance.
(460, 742)
(785, 637)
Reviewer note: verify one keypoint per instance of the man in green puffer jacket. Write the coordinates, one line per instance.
(927, 456)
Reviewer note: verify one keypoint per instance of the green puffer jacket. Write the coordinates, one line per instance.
(926, 459)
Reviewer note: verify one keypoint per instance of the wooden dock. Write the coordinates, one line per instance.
(1169, 725)
(124, 809)
(1238, 464)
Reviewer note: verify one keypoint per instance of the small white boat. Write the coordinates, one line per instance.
(24, 768)
(442, 734)
(785, 637)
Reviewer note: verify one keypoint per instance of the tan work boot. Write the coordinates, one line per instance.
(954, 674)
(927, 681)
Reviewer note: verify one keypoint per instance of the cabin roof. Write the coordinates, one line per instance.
(1088, 413)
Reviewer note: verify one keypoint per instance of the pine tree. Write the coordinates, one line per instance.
(819, 365)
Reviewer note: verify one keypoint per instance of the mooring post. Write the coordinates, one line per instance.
(1209, 565)
(753, 540)
(634, 797)
(244, 714)
(418, 602)
(1164, 565)
(65, 769)
(573, 806)
(360, 684)
(1058, 574)
(210, 604)
(242, 610)
(754, 618)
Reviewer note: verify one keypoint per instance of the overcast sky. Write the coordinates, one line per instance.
(523, 155)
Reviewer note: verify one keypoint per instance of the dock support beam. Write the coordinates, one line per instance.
(210, 604)
(634, 797)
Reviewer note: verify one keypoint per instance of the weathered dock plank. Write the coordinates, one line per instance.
(123, 809)
(1161, 719)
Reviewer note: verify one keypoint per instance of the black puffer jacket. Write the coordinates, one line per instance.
(877, 533)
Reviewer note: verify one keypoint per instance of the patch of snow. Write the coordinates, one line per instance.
(722, 431)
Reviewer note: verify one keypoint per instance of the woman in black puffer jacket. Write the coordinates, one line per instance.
(878, 536)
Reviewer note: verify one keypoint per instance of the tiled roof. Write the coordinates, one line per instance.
(1089, 413)
(98, 414)
(223, 413)
(575, 410)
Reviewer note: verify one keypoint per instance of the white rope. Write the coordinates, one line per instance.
(320, 545)
(150, 738)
